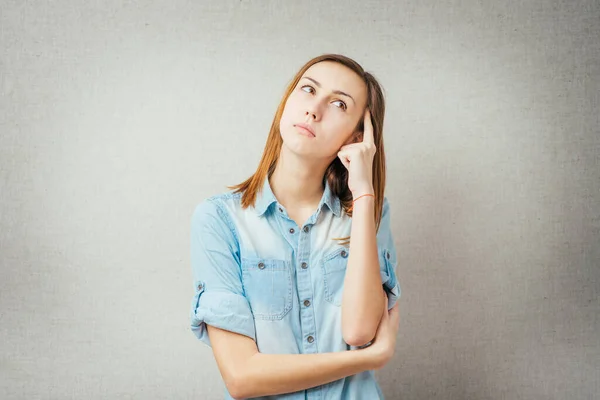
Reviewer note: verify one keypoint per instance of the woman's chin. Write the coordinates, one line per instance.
(299, 147)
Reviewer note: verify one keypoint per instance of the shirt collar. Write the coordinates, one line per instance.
(266, 198)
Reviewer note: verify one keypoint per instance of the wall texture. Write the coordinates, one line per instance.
(117, 118)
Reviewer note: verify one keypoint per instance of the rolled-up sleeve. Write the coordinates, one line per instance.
(388, 258)
(218, 294)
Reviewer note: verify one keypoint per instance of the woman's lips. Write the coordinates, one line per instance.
(304, 130)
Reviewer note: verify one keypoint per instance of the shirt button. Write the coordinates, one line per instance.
(280, 209)
(292, 230)
(307, 303)
(388, 255)
(304, 265)
(306, 229)
(310, 339)
(261, 265)
(200, 287)
(343, 253)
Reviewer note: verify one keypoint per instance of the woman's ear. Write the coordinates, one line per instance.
(358, 136)
(361, 125)
(353, 138)
(358, 132)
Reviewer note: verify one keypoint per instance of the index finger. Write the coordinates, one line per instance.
(368, 128)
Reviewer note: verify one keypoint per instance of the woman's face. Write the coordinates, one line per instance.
(330, 99)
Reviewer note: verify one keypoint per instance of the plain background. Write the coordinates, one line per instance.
(117, 118)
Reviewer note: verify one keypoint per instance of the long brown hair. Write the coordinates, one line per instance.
(336, 174)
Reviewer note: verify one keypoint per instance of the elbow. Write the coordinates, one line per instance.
(357, 338)
(357, 333)
(235, 387)
(236, 383)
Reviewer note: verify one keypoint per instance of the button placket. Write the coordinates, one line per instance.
(305, 290)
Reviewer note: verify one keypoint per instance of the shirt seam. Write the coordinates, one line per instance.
(225, 216)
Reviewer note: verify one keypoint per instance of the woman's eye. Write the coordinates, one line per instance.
(307, 86)
(343, 107)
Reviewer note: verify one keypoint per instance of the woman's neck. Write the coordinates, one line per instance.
(296, 182)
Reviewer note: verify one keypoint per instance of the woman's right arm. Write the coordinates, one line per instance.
(248, 373)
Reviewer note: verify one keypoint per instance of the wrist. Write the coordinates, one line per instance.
(363, 198)
(363, 191)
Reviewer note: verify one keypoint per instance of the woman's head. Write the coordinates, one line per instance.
(329, 94)
(330, 99)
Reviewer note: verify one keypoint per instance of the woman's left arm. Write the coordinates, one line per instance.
(361, 299)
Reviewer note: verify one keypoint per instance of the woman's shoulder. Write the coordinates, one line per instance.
(219, 200)
(219, 204)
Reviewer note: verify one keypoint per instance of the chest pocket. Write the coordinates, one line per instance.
(334, 271)
(268, 287)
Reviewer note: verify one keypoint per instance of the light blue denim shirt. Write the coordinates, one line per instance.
(258, 274)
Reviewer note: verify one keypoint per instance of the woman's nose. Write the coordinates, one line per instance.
(312, 110)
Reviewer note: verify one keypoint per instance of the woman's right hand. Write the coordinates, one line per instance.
(384, 343)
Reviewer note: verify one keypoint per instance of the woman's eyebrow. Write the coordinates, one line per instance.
(333, 91)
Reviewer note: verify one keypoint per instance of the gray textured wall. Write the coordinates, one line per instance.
(116, 118)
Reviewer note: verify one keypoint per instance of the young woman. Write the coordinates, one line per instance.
(291, 307)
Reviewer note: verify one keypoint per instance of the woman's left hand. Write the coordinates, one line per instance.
(358, 159)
